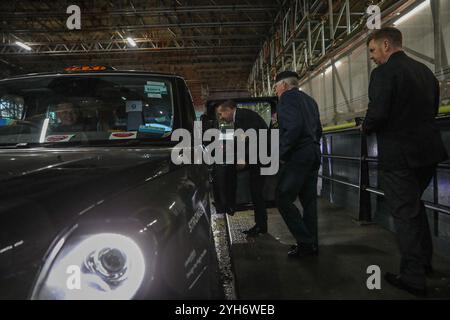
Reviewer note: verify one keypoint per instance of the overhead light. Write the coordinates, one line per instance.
(23, 45)
(413, 12)
(131, 42)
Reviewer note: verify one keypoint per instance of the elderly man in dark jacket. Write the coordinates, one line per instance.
(404, 101)
(300, 133)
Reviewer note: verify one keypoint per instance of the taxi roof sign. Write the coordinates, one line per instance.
(86, 68)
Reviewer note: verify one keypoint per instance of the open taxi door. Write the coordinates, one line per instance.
(231, 188)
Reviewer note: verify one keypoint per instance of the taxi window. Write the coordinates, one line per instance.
(261, 108)
(86, 108)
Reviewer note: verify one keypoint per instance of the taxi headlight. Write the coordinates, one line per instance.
(101, 266)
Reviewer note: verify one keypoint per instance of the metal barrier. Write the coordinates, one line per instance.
(363, 186)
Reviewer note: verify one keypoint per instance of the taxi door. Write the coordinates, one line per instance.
(231, 188)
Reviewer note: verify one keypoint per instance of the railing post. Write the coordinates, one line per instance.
(435, 200)
(365, 208)
(328, 166)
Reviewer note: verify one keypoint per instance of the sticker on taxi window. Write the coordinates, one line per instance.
(133, 106)
(7, 122)
(123, 135)
(154, 95)
(154, 128)
(59, 138)
(155, 87)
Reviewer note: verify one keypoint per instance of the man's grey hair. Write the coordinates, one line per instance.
(292, 82)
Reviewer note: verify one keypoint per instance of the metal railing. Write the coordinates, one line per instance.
(363, 185)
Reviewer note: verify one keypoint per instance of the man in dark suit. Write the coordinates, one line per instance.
(247, 119)
(300, 134)
(404, 101)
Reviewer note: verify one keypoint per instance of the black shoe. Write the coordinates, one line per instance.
(255, 230)
(396, 281)
(303, 250)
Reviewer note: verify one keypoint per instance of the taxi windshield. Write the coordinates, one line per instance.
(85, 107)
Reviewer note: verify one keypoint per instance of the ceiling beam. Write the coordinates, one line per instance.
(131, 28)
(237, 9)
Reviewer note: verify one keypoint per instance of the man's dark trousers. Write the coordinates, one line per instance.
(403, 189)
(247, 119)
(256, 190)
(299, 179)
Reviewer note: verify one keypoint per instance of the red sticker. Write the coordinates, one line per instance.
(123, 135)
(58, 138)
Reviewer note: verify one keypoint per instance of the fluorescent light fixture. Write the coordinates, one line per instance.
(131, 42)
(413, 12)
(23, 45)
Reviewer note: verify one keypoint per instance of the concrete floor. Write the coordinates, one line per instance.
(263, 270)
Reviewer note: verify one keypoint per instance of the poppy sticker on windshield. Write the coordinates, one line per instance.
(59, 138)
(123, 135)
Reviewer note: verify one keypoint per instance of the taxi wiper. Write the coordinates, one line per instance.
(22, 145)
(26, 145)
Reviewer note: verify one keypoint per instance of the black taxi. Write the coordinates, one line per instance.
(91, 205)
